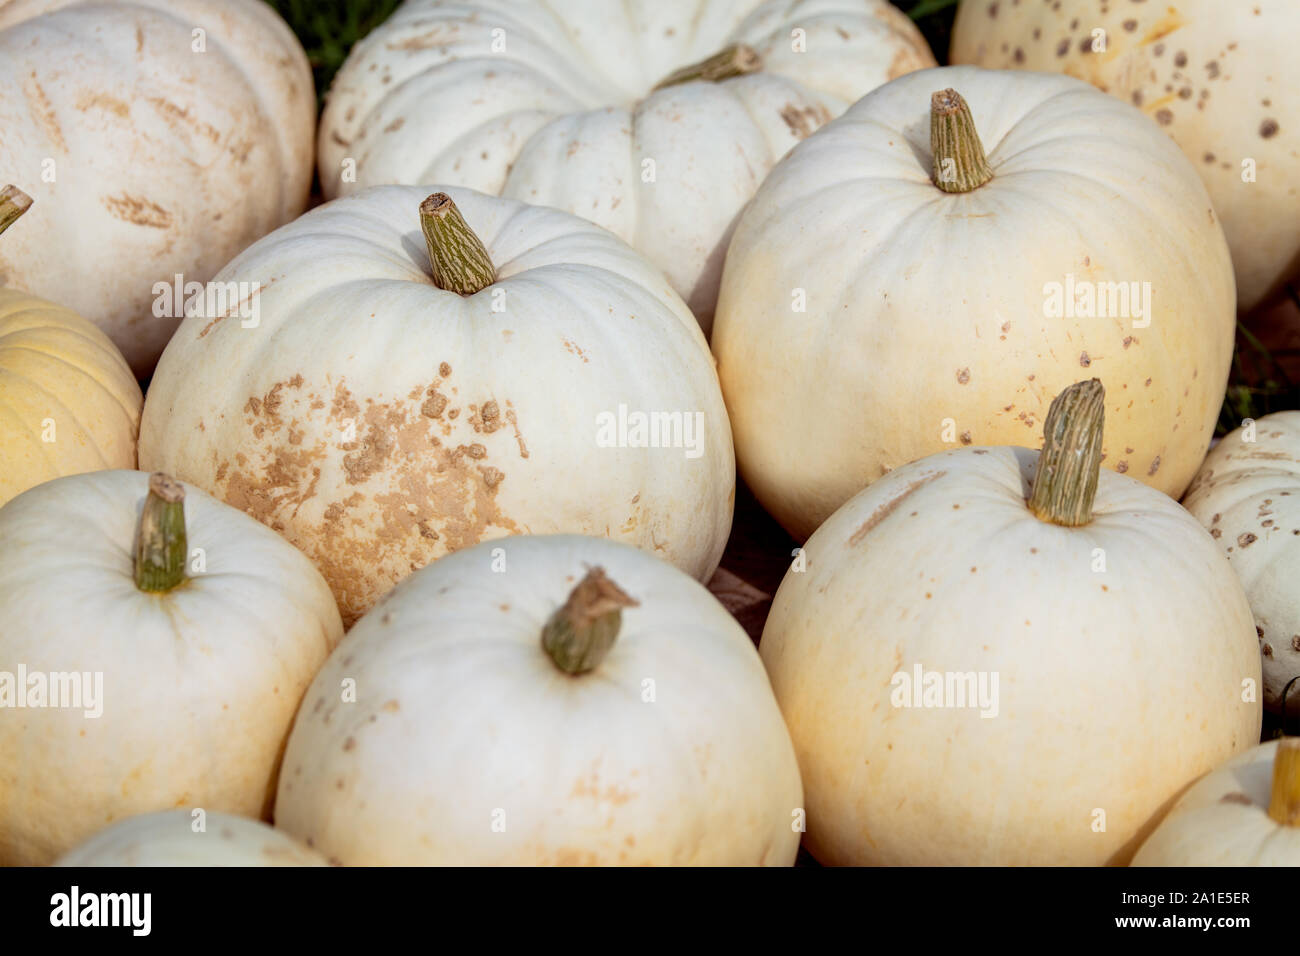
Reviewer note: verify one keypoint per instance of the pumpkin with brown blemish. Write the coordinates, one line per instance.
(186, 838)
(544, 700)
(159, 137)
(1216, 75)
(380, 421)
(1247, 495)
(1245, 813)
(656, 119)
(204, 629)
(68, 402)
(997, 656)
(941, 260)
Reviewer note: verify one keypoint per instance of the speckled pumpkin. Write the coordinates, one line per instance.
(204, 629)
(68, 401)
(159, 137)
(624, 113)
(1219, 76)
(1245, 813)
(380, 419)
(929, 269)
(994, 656)
(1248, 495)
(544, 700)
(177, 838)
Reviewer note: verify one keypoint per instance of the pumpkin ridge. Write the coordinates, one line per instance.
(83, 373)
(54, 400)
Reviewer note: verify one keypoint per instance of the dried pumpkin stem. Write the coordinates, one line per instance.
(160, 549)
(1069, 465)
(735, 60)
(1284, 804)
(460, 261)
(959, 162)
(13, 203)
(581, 632)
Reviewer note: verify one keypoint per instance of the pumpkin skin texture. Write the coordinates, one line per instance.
(57, 367)
(932, 327)
(463, 721)
(1223, 820)
(200, 683)
(380, 422)
(168, 161)
(168, 839)
(1247, 494)
(567, 114)
(1114, 690)
(1217, 77)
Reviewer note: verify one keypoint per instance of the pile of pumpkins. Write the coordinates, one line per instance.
(430, 476)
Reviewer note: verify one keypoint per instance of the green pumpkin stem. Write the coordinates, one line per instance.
(460, 261)
(735, 60)
(1284, 803)
(959, 162)
(13, 203)
(581, 632)
(161, 547)
(1070, 463)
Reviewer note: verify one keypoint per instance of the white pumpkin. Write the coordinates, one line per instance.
(968, 683)
(1248, 495)
(176, 838)
(544, 700)
(159, 137)
(379, 421)
(871, 314)
(154, 646)
(1245, 813)
(564, 105)
(1216, 76)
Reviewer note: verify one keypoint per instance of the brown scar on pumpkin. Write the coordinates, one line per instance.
(1237, 797)
(885, 510)
(41, 108)
(433, 497)
(803, 122)
(138, 212)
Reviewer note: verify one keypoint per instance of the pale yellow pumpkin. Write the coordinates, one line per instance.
(1245, 813)
(1219, 76)
(1247, 494)
(189, 838)
(544, 700)
(872, 313)
(68, 401)
(973, 678)
(154, 646)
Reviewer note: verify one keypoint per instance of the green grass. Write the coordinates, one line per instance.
(328, 29)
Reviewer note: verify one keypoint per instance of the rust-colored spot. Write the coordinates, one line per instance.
(139, 212)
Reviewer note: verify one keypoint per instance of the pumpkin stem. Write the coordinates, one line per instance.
(161, 548)
(460, 261)
(580, 634)
(1069, 465)
(1284, 805)
(13, 203)
(735, 60)
(959, 162)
